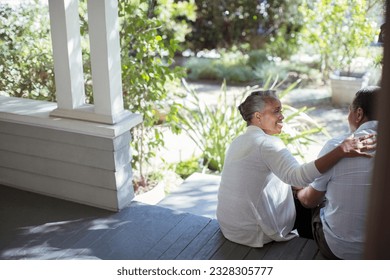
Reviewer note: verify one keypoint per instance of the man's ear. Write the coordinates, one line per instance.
(359, 115)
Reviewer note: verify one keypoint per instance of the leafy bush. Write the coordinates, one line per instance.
(202, 68)
(175, 17)
(148, 78)
(238, 73)
(338, 31)
(150, 32)
(223, 24)
(213, 127)
(236, 67)
(26, 63)
(232, 66)
(185, 168)
(257, 57)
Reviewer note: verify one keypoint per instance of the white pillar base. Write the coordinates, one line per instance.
(87, 113)
(84, 162)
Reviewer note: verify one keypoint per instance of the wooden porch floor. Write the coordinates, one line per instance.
(34, 226)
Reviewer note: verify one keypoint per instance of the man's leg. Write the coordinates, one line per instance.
(319, 237)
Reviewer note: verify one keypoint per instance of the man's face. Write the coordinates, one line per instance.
(353, 118)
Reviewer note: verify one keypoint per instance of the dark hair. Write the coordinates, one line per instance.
(366, 98)
(255, 102)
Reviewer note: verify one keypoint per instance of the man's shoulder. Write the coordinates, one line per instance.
(370, 127)
(333, 143)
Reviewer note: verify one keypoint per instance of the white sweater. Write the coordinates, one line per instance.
(255, 203)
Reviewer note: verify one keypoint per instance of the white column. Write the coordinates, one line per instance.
(105, 58)
(68, 66)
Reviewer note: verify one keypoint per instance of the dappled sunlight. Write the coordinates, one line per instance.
(45, 228)
(197, 195)
(100, 224)
(46, 252)
(29, 107)
(60, 239)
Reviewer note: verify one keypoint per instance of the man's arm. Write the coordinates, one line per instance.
(310, 197)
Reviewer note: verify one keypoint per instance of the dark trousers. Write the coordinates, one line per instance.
(309, 225)
(303, 220)
(318, 234)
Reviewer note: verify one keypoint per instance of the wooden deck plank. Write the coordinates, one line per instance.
(45, 242)
(29, 223)
(40, 227)
(199, 241)
(197, 225)
(174, 235)
(211, 246)
(258, 253)
(82, 244)
(128, 241)
(231, 251)
(309, 251)
(288, 250)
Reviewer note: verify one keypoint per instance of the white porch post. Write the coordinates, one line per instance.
(70, 149)
(105, 58)
(105, 61)
(68, 65)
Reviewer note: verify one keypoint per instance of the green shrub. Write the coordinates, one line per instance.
(26, 62)
(339, 31)
(223, 24)
(149, 32)
(213, 127)
(185, 168)
(148, 78)
(257, 57)
(238, 73)
(231, 66)
(237, 67)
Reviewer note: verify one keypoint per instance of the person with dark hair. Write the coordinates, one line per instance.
(340, 195)
(255, 201)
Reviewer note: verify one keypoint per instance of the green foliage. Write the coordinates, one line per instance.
(217, 70)
(257, 57)
(150, 32)
(174, 16)
(213, 127)
(233, 66)
(185, 168)
(223, 24)
(338, 31)
(283, 22)
(236, 67)
(26, 63)
(299, 131)
(147, 76)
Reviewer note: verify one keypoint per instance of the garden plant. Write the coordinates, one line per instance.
(212, 127)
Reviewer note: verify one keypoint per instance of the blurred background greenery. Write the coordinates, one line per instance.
(229, 42)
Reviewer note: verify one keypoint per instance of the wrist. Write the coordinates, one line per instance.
(342, 151)
(295, 192)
